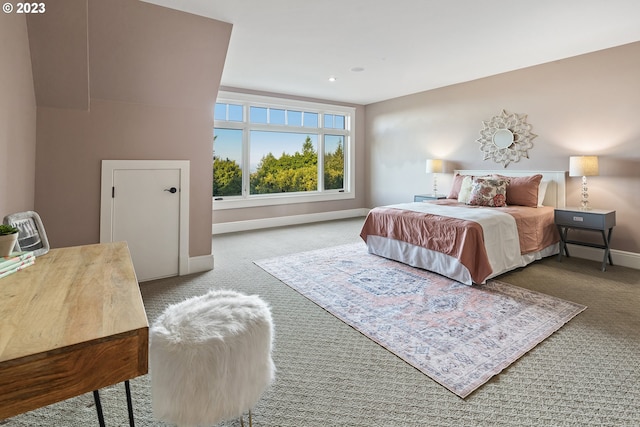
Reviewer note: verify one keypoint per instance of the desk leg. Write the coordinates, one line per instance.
(129, 404)
(96, 397)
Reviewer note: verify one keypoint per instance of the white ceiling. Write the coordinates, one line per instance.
(405, 46)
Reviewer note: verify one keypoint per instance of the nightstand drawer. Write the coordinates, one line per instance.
(598, 220)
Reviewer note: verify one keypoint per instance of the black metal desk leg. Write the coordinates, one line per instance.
(129, 404)
(96, 398)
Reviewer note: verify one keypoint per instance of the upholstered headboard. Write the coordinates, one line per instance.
(556, 188)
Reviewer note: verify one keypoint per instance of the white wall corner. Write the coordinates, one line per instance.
(201, 263)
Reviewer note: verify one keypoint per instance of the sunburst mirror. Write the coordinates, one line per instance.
(506, 138)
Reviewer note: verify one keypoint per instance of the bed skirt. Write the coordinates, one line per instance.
(437, 262)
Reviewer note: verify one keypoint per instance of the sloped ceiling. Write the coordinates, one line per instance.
(59, 55)
(403, 46)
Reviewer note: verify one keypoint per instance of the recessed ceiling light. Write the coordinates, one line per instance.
(332, 79)
(357, 69)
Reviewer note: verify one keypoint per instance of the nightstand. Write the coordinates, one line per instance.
(427, 197)
(599, 220)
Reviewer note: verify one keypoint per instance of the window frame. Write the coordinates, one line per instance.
(247, 200)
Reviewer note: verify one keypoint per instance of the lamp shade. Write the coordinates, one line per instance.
(435, 166)
(583, 165)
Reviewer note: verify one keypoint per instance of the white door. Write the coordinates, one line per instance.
(145, 211)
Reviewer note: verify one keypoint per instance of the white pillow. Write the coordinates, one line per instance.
(464, 195)
(542, 189)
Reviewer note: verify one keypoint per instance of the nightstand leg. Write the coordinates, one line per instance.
(563, 242)
(607, 251)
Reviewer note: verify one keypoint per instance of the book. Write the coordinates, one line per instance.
(15, 259)
(19, 266)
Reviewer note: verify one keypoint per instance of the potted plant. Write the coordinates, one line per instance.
(8, 238)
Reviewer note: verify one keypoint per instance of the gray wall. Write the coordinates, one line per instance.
(17, 117)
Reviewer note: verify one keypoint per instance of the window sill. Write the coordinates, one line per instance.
(273, 200)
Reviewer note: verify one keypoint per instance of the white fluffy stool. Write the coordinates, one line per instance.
(210, 358)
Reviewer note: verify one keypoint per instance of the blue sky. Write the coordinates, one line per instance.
(228, 144)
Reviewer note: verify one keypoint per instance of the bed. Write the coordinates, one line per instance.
(492, 222)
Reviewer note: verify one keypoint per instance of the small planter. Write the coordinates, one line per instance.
(7, 243)
(8, 238)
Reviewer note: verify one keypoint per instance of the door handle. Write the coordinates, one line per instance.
(171, 190)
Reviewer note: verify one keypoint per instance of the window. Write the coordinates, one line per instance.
(275, 151)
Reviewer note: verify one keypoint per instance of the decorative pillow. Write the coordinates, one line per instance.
(542, 190)
(489, 192)
(455, 186)
(457, 183)
(522, 190)
(465, 190)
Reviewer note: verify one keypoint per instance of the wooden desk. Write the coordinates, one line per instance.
(71, 323)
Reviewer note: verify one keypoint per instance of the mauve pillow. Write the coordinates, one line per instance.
(522, 190)
(455, 186)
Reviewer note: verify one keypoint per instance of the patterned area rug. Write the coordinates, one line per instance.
(458, 335)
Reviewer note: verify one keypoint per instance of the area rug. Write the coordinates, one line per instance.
(458, 335)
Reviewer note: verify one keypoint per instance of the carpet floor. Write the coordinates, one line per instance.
(458, 335)
(328, 374)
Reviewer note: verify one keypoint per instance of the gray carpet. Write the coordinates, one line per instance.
(586, 374)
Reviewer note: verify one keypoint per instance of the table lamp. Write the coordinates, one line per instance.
(583, 166)
(435, 166)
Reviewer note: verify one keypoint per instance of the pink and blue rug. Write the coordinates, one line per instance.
(458, 335)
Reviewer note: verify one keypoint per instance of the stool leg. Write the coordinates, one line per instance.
(241, 420)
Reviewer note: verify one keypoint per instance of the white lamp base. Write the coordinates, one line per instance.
(584, 204)
(435, 185)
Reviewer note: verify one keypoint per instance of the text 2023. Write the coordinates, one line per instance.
(30, 7)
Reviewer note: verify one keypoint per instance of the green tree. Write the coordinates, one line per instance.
(227, 177)
(288, 173)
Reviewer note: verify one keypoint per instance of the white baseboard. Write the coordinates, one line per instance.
(622, 258)
(198, 264)
(254, 224)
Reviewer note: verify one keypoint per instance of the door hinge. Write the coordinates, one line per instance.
(113, 192)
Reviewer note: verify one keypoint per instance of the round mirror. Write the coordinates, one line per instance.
(503, 138)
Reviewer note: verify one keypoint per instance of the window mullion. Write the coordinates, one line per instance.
(246, 170)
(321, 161)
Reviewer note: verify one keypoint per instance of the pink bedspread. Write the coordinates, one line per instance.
(459, 238)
